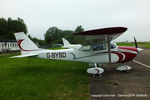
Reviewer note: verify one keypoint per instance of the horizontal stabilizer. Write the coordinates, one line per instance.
(26, 55)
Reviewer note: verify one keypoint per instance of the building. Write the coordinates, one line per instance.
(8, 45)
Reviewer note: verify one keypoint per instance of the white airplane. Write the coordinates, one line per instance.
(97, 49)
(68, 45)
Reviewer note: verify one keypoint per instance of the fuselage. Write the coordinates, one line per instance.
(118, 55)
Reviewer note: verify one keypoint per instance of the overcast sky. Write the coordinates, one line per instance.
(39, 15)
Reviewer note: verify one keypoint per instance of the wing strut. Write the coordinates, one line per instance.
(109, 48)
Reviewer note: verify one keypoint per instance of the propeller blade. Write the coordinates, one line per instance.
(135, 42)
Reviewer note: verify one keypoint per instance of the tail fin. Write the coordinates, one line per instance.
(66, 43)
(24, 43)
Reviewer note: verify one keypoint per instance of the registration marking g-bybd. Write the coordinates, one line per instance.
(56, 55)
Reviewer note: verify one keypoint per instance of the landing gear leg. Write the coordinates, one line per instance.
(95, 65)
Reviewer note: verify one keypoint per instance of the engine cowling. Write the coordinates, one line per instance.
(95, 70)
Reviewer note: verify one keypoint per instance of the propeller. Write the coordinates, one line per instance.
(136, 45)
(138, 49)
(135, 42)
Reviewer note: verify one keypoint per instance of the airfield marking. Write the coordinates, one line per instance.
(141, 63)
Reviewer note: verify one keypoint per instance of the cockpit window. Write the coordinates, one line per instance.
(86, 46)
(99, 47)
(98, 44)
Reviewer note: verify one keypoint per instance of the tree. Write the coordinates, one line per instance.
(52, 34)
(36, 40)
(55, 35)
(10, 26)
(3, 27)
(79, 29)
(77, 38)
(68, 34)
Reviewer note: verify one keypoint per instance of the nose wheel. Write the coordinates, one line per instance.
(123, 68)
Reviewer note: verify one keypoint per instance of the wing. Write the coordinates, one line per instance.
(101, 37)
(25, 55)
(112, 32)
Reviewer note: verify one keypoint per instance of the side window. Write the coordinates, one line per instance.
(86, 46)
(98, 45)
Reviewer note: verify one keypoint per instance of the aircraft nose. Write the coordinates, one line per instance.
(139, 49)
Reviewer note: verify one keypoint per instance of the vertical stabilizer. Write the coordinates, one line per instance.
(66, 43)
(24, 43)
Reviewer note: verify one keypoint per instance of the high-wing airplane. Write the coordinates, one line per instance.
(97, 49)
(68, 45)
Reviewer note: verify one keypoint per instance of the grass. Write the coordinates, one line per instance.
(57, 48)
(140, 44)
(41, 79)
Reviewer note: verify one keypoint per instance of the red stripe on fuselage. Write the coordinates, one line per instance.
(127, 48)
(128, 56)
(119, 55)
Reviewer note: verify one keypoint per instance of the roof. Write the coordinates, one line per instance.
(103, 31)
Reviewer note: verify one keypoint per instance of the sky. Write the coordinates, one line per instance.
(39, 15)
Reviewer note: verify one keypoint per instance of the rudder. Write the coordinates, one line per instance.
(24, 43)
